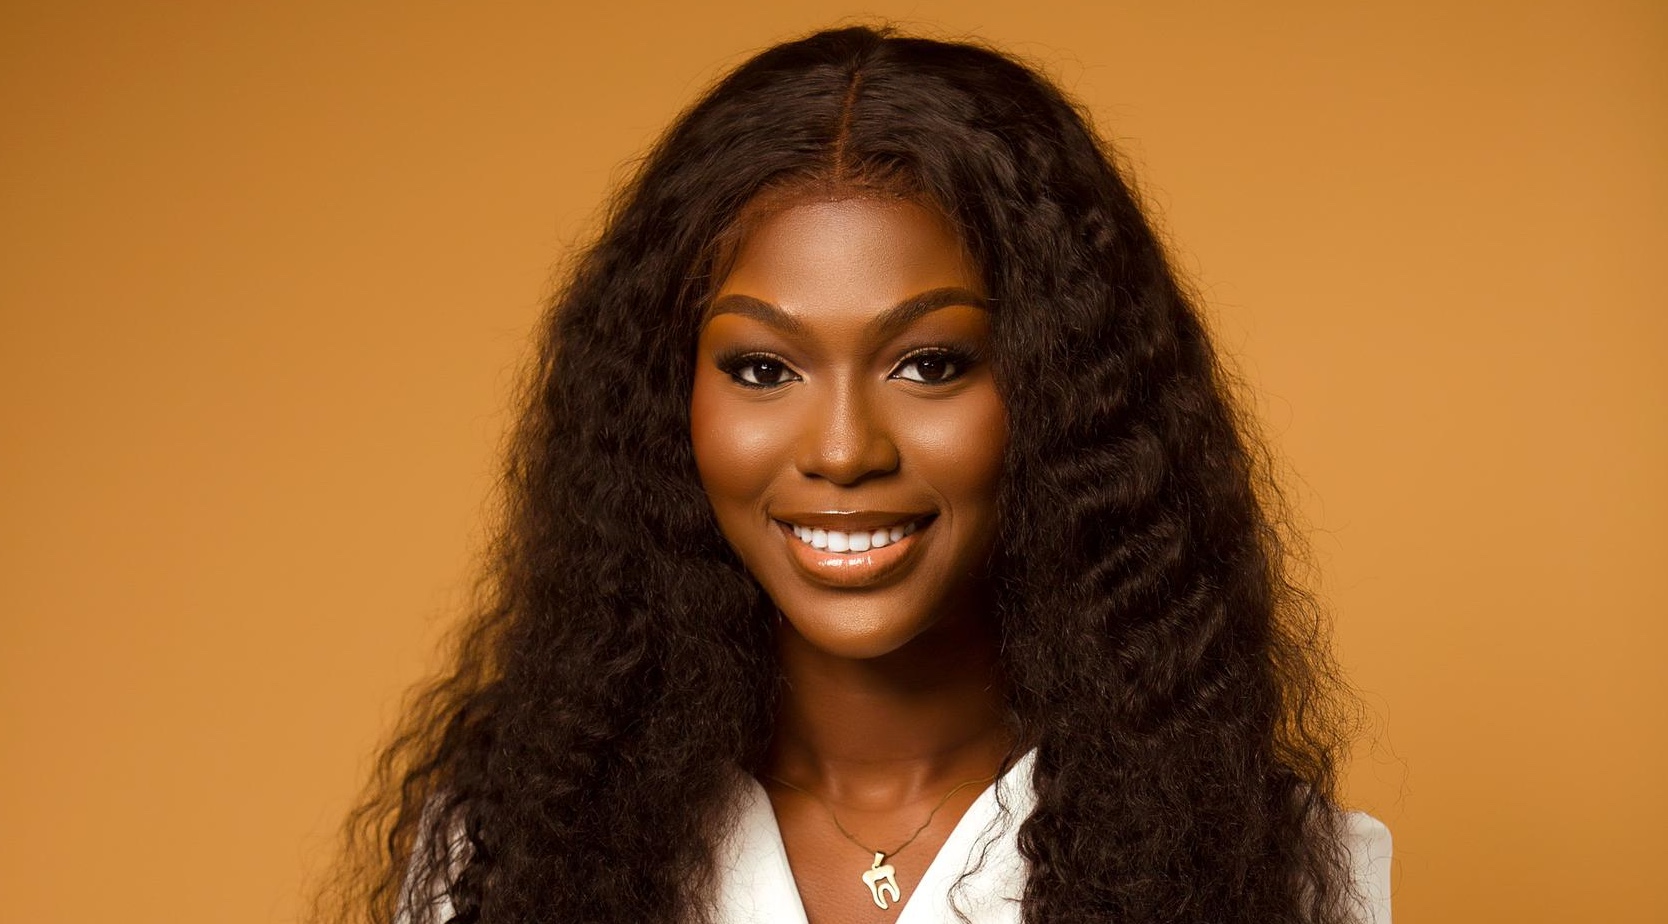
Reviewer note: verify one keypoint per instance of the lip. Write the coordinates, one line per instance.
(850, 520)
(854, 569)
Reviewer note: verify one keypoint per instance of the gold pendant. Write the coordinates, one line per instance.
(881, 880)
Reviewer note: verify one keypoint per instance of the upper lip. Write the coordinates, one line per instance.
(849, 520)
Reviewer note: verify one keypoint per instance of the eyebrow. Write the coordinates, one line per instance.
(892, 320)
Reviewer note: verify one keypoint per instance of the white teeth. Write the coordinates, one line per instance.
(834, 540)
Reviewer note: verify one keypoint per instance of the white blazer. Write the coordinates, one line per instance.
(757, 887)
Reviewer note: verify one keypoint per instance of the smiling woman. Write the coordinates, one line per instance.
(883, 546)
(841, 396)
(849, 434)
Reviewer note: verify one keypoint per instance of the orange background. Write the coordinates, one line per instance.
(267, 272)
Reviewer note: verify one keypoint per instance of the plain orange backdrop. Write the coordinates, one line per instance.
(267, 272)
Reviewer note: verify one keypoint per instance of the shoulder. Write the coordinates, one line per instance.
(1368, 842)
(424, 895)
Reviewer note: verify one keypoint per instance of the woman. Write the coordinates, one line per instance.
(883, 545)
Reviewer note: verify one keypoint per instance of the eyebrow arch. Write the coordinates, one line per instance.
(890, 321)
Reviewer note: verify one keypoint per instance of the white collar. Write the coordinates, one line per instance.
(756, 886)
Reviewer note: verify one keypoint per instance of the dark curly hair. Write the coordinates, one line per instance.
(575, 762)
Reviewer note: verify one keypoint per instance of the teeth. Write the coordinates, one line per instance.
(834, 540)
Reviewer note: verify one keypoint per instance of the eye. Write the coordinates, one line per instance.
(932, 367)
(757, 370)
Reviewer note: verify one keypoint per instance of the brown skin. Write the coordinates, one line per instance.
(809, 407)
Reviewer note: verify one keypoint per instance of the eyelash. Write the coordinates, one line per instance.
(735, 364)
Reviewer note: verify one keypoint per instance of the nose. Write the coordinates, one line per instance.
(848, 441)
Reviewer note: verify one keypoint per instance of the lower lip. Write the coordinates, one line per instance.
(853, 569)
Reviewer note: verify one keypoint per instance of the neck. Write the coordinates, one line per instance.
(895, 729)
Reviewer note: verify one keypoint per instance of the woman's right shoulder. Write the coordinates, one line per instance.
(424, 895)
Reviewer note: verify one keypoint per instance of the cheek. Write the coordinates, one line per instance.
(960, 449)
(736, 453)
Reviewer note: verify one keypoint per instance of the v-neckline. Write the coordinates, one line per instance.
(1000, 801)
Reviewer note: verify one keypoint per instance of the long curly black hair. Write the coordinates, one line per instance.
(575, 762)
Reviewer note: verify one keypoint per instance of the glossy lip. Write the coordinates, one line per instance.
(851, 520)
(854, 569)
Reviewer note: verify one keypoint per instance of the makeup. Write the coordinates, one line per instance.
(848, 553)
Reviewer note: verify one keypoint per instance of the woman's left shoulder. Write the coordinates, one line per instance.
(1368, 842)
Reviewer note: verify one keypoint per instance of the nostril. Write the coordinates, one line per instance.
(849, 461)
(845, 439)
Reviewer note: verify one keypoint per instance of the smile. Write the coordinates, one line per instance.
(835, 540)
(870, 550)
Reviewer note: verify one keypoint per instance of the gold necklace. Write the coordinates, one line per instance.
(881, 878)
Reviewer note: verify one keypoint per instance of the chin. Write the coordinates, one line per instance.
(854, 633)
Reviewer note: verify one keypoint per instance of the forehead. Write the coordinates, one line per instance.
(852, 254)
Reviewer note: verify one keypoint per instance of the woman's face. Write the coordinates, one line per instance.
(845, 422)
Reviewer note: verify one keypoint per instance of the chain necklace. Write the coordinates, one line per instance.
(881, 878)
